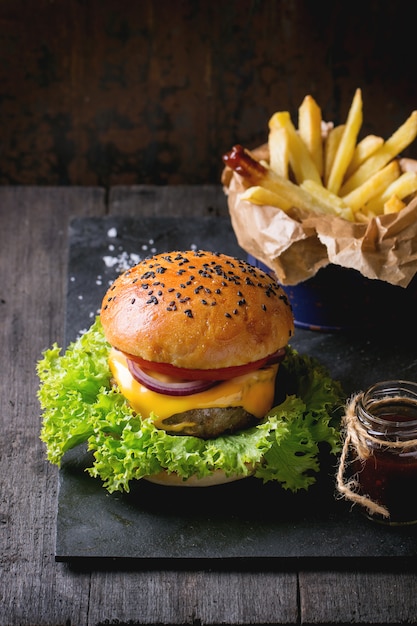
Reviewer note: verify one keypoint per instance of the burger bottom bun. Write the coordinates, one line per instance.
(170, 479)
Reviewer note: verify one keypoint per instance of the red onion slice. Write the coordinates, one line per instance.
(184, 388)
(277, 357)
(189, 387)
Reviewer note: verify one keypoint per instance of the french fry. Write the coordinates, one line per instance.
(309, 129)
(332, 204)
(364, 149)
(301, 161)
(324, 170)
(393, 205)
(403, 186)
(255, 174)
(330, 148)
(347, 144)
(357, 198)
(279, 151)
(260, 195)
(408, 165)
(398, 141)
(363, 218)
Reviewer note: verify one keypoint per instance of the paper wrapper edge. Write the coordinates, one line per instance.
(384, 249)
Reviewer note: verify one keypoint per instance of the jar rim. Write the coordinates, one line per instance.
(389, 392)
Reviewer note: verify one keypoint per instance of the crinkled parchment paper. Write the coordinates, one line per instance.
(295, 247)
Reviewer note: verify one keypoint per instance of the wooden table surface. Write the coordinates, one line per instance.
(36, 590)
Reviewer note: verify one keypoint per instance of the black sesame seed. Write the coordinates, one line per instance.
(227, 315)
(188, 313)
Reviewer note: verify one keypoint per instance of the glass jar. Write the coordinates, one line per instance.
(387, 472)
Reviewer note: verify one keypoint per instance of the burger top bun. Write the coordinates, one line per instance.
(197, 310)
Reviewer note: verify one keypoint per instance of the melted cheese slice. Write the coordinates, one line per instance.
(253, 391)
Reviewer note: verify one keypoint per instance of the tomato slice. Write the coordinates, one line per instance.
(222, 373)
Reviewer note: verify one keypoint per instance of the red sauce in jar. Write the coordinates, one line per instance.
(390, 479)
(388, 476)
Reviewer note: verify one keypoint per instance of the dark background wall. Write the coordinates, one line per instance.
(105, 92)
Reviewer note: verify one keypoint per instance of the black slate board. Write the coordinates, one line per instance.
(243, 524)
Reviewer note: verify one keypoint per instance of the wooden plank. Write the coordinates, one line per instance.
(374, 597)
(184, 200)
(34, 222)
(157, 92)
(194, 598)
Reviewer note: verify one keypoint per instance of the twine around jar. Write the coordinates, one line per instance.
(355, 447)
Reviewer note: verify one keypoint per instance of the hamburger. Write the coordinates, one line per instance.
(176, 380)
(196, 341)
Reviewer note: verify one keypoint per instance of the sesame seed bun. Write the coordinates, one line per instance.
(198, 310)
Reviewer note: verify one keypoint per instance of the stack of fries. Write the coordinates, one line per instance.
(324, 169)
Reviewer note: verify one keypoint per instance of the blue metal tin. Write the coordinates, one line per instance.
(338, 298)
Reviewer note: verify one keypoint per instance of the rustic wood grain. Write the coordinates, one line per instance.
(195, 598)
(37, 591)
(373, 597)
(33, 247)
(184, 200)
(153, 92)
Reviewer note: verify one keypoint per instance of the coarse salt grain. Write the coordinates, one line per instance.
(122, 261)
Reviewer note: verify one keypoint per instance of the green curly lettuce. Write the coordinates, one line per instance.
(80, 405)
